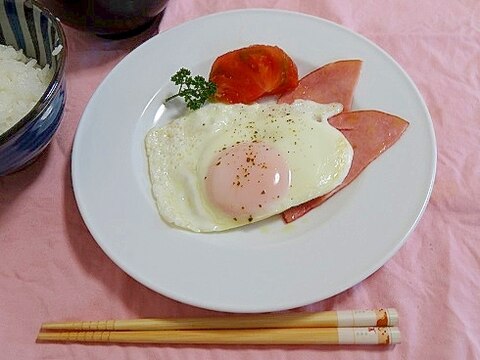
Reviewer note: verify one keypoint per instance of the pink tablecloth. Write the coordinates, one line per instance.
(52, 269)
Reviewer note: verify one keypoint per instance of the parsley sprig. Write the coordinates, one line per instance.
(195, 90)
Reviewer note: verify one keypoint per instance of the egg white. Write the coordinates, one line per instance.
(180, 153)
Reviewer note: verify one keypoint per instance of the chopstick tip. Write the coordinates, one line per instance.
(393, 316)
(395, 336)
(47, 326)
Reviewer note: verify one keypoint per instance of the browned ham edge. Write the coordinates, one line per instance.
(370, 132)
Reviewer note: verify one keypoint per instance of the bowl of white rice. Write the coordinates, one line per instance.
(32, 81)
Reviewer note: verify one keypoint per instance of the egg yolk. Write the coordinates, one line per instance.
(246, 178)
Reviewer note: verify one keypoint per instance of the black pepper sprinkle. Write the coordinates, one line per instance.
(250, 218)
(263, 192)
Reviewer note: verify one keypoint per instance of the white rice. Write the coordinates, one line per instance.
(22, 83)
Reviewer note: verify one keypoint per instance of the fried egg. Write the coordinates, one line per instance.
(224, 166)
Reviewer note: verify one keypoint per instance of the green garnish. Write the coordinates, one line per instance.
(195, 90)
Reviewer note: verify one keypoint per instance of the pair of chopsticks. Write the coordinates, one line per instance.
(372, 327)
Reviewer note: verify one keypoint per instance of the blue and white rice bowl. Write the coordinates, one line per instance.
(27, 25)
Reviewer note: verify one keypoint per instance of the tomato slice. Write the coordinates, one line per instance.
(247, 74)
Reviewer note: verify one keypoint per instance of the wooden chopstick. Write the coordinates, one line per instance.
(292, 336)
(325, 319)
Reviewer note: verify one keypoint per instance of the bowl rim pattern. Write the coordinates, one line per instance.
(55, 83)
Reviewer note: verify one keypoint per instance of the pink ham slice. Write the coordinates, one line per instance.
(334, 82)
(370, 132)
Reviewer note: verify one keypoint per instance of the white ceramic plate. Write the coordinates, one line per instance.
(266, 266)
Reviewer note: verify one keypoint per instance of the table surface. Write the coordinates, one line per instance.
(52, 269)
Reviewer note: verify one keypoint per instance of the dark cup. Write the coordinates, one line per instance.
(107, 18)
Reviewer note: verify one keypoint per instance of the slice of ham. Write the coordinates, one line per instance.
(334, 82)
(370, 132)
